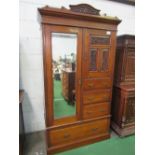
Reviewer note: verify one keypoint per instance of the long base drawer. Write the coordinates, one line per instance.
(75, 132)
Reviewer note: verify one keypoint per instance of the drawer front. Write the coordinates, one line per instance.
(96, 96)
(97, 127)
(97, 84)
(65, 135)
(73, 133)
(96, 110)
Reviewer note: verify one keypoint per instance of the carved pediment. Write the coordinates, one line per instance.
(80, 11)
(85, 9)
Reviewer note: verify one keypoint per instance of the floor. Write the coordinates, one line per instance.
(35, 145)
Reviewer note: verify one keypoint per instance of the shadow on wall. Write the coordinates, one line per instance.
(28, 113)
(33, 120)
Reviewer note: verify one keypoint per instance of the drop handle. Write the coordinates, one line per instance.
(90, 85)
(91, 98)
(66, 136)
(89, 112)
(80, 82)
(94, 129)
(102, 110)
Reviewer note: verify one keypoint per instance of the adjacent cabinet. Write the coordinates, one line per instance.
(123, 102)
(79, 55)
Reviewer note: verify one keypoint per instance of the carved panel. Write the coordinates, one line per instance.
(130, 66)
(130, 110)
(85, 9)
(99, 40)
(93, 60)
(105, 58)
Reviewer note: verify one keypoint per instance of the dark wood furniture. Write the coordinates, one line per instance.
(123, 102)
(96, 43)
(68, 84)
(21, 123)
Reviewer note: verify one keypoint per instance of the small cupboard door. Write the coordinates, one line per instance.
(98, 54)
(129, 110)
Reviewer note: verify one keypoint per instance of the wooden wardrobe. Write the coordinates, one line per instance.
(87, 40)
(123, 102)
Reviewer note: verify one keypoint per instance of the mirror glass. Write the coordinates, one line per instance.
(64, 48)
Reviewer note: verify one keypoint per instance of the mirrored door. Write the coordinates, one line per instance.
(65, 57)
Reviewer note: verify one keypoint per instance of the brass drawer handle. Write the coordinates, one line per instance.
(90, 85)
(105, 98)
(91, 98)
(89, 112)
(94, 129)
(102, 110)
(66, 136)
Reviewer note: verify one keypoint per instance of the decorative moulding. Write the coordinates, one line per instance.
(85, 9)
(80, 11)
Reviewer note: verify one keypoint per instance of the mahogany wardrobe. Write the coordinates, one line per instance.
(79, 52)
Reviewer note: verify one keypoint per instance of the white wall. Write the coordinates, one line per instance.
(30, 48)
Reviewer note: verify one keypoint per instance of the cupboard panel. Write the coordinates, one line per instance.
(98, 54)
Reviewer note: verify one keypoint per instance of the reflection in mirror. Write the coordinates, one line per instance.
(64, 47)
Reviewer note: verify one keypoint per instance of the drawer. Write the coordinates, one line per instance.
(97, 127)
(73, 133)
(65, 135)
(97, 83)
(96, 96)
(96, 110)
